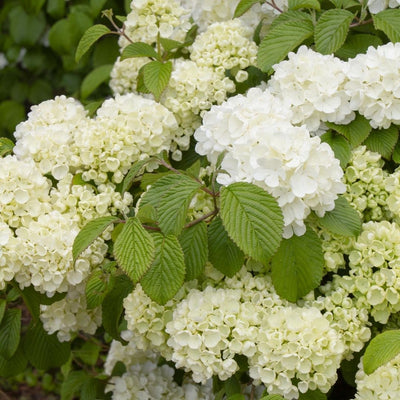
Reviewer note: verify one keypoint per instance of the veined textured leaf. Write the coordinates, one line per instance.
(340, 146)
(169, 44)
(134, 249)
(356, 44)
(3, 304)
(10, 329)
(223, 253)
(15, 365)
(156, 76)
(343, 219)
(345, 3)
(96, 288)
(194, 244)
(290, 15)
(88, 353)
(6, 146)
(167, 273)
(272, 397)
(355, 132)
(136, 169)
(381, 350)
(72, 384)
(112, 305)
(243, 6)
(331, 30)
(89, 233)
(44, 351)
(388, 21)
(138, 49)
(174, 204)
(93, 34)
(313, 395)
(383, 141)
(282, 39)
(252, 219)
(396, 153)
(94, 79)
(297, 266)
(297, 4)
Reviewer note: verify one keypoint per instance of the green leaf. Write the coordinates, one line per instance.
(355, 132)
(343, 219)
(26, 29)
(383, 141)
(298, 265)
(349, 368)
(11, 113)
(167, 273)
(331, 30)
(169, 44)
(88, 353)
(174, 203)
(6, 146)
(15, 365)
(272, 397)
(223, 253)
(340, 146)
(282, 39)
(194, 244)
(56, 8)
(297, 4)
(89, 233)
(134, 249)
(357, 44)
(381, 350)
(243, 6)
(112, 306)
(72, 384)
(91, 36)
(345, 3)
(252, 219)
(97, 287)
(232, 386)
(97, 6)
(290, 15)
(92, 389)
(94, 79)
(44, 351)
(396, 153)
(139, 49)
(313, 395)
(3, 304)
(147, 214)
(388, 21)
(156, 76)
(10, 329)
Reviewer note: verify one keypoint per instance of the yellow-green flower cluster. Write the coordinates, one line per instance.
(366, 184)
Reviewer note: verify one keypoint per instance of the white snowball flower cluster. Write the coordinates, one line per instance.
(374, 276)
(207, 12)
(48, 134)
(225, 44)
(366, 180)
(124, 75)
(150, 18)
(373, 84)
(392, 187)
(382, 384)
(313, 86)
(375, 6)
(70, 315)
(263, 148)
(127, 128)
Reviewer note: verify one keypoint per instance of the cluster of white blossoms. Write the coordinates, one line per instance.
(392, 187)
(373, 84)
(263, 148)
(366, 183)
(225, 44)
(127, 128)
(374, 276)
(312, 85)
(150, 18)
(70, 315)
(375, 6)
(382, 384)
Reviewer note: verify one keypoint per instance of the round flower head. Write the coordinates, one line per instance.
(225, 44)
(263, 148)
(373, 84)
(392, 188)
(47, 135)
(366, 183)
(127, 128)
(150, 18)
(70, 315)
(125, 73)
(313, 86)
(375, 6)
(383, 383)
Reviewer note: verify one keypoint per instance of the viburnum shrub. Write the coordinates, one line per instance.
(227, 225)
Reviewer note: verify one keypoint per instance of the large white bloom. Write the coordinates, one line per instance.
(262, 147)
(313, 86)
(374, 85)
(375, 6)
